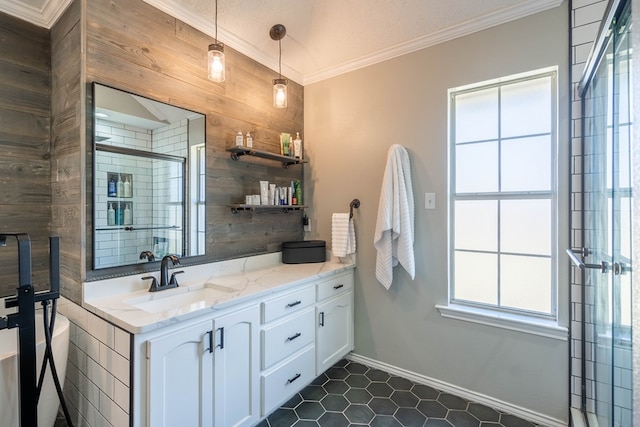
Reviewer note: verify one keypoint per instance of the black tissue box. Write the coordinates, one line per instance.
(306, 251)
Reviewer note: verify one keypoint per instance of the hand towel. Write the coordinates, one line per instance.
(394, 234)
(343, 236)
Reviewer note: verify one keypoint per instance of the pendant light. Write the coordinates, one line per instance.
(277, 32)
(215, 56)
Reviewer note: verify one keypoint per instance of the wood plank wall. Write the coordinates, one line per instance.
(135, 47)
(67, 164)
(25, 195)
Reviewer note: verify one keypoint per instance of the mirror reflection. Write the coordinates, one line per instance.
(149, 175)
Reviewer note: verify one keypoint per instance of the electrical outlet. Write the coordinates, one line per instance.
(429, 200)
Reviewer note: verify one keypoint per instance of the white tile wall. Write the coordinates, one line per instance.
(586, 16)
(117, 247)
(97, 382)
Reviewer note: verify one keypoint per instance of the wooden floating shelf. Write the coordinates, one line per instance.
(284, 208)
(237, 152)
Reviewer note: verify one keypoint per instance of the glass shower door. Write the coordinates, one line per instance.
(607, 232)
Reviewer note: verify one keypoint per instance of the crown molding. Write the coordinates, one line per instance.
(42, 17)
(477, 24)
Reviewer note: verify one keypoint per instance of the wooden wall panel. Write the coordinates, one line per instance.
(130, 45)
(67, 164)
(25, 195)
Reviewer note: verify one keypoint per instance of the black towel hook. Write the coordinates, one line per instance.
(355, 203)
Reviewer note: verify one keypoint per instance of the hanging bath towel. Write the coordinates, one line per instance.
(393, 238)
(343, 236)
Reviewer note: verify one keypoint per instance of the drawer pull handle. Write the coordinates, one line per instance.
(338, 286)
(210, 349)
(293, 304)
(322, 318)
(295, 377)
(221, 345)
(294, 337)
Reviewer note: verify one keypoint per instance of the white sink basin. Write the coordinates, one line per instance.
(184, 299)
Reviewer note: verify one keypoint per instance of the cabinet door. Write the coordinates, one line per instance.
(335, 330)
(236, 368)
(180, 378)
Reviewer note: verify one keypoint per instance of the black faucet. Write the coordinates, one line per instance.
(148, 255)
(165, 282)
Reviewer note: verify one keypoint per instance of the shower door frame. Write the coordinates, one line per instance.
(603, 195)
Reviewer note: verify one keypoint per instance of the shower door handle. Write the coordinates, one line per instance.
(573, 254)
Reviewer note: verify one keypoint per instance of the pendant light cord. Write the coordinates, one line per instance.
(280, 58)
(216, 21)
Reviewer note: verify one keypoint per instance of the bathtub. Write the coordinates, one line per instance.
(9, 394)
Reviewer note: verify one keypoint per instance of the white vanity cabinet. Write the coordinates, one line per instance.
(236, 363)
(334, 316)
(288, 346)
(206, 374)
(180, 372)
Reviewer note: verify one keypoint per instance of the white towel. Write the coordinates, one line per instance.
(393, 238)
(343, 235)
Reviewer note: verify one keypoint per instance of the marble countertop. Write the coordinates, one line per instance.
(127, 303)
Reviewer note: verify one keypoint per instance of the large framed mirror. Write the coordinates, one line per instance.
(148, 179)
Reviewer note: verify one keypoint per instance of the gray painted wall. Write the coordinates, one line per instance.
(350, 122)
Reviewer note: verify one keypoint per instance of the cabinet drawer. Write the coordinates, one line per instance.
(283, 339)
(281, 383)
(287, 304)
(334, 286)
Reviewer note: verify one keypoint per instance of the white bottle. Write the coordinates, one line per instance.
(239, 139)
(297, 146)
(128, 219)
(127, 187)
(249, 140)
(120, 186)
(111, 215)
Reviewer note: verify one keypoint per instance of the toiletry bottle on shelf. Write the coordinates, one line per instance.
(298, 192)
(297, 146)
(239, 139)
(119, 214)
(120, 186)
(249, 140)
(127, 217)
(112, 190)
(127, 187)
(111, 215)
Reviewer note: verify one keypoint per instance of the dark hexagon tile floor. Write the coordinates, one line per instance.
(350, 394)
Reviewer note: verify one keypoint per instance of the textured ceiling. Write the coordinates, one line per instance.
(324, 37)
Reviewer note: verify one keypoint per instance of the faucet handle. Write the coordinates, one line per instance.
(173, 281)
(154, 283)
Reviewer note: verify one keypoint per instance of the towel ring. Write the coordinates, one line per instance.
(355, 203)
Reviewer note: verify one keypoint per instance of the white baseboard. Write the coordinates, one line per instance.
(473, 396)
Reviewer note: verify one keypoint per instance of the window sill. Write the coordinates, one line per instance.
(529, 325)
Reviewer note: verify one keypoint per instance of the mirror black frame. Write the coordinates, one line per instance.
(129, 269)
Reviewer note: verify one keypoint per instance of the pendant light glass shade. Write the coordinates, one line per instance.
(280, 93)
(215, 60)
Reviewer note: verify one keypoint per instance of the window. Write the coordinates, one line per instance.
(503, 195)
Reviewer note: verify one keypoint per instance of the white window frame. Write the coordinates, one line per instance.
(504, 317)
